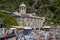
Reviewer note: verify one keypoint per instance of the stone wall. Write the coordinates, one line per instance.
(55, 28)
(32, 22)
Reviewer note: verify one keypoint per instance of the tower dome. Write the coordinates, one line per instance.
(22, 5)
(22, 9)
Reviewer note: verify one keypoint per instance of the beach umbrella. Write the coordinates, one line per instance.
(19, 27)
(27, 28)
(47, 27)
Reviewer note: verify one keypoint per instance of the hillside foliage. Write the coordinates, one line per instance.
(8, 20)
(50, 9)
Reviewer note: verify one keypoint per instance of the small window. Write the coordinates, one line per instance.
(27, 19)
(22, 7)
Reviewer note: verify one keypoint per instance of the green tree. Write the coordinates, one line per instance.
(8, 19)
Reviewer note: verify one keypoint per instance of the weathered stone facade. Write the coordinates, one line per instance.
(28, 19)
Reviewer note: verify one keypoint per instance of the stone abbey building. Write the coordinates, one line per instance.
(28, 19)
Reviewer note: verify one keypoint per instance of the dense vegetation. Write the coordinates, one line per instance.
(8, 19)
(50, 9)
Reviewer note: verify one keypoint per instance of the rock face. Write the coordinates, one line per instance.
(58, 28)
(55, 28)
(1, 21)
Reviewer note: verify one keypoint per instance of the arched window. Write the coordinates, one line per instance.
(22, 7)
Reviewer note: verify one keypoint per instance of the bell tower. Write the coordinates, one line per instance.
(22, 9)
